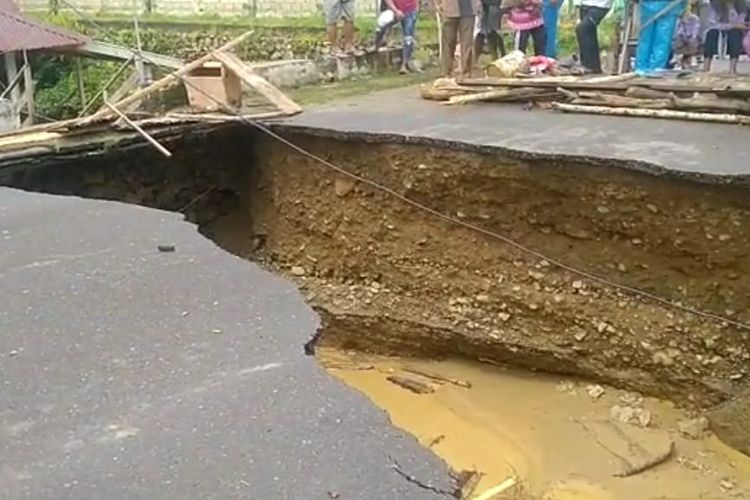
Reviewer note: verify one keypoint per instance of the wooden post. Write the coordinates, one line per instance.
(11, 74)
(81, 89)
(28, 84)
(139, 67)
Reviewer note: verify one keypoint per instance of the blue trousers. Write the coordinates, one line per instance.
(655, 41)
(550, 14)
(408, 27)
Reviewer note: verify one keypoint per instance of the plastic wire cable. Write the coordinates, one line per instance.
(447, 218)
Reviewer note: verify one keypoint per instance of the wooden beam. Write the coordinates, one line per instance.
(28, 88)
(257, 82)
(105, 50)
(12, 76)
(79, 76)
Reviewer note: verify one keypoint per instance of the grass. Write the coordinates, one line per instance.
(319, 94)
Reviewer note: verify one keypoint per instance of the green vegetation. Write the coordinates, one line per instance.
(319, 94)
(190, 37)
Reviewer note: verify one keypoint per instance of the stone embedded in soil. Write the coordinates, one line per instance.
(639, 417)
(637, 448)
(731, 422)
(693, 428)
(343, 186)
(298, 270)
(595, 391)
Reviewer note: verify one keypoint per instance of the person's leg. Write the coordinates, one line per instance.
(734, 48)
(643, 52)
(710, 48)
(550, 14)
(465, 40)
(664, 29)
(449, 32)
(540, 40)
(408, 27)
(588, 41)
(381, 32)
(523, 40)
(332, 10)
(347, 12)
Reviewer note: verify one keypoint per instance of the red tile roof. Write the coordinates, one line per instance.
(17, 32)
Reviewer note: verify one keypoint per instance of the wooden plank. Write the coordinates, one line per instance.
(106, 50)
(257, 82)
(653, 113)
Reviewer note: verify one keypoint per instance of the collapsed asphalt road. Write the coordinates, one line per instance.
(127, 372)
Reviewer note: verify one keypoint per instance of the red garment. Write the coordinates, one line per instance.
(406, 6)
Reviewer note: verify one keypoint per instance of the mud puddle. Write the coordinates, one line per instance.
(560, 438)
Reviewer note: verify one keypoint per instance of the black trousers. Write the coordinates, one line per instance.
(539, 35)
(588, 37)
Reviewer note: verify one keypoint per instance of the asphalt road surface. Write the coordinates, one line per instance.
(708, 151)
(130, 373)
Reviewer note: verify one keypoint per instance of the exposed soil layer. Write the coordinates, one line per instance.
(389, 278)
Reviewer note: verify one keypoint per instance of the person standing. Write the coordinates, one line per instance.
(489, 30)
(335, 11)
(656, 34)
(526, 20)
(587, 33)
(457, 18)
(551, 14)
(405, 12)
(727, 17)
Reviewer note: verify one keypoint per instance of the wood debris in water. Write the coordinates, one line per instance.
(439, 378)
(411, 384)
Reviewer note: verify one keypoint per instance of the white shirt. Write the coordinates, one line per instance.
(603, 4)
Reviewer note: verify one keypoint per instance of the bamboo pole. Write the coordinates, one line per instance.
(653, 113)
(499, 94)
(140, 130)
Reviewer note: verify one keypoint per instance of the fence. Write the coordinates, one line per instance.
(221, 8)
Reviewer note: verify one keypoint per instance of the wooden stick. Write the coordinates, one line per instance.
(653, 113)
(257, 82)
(138, 129)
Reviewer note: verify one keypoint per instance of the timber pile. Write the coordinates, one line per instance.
(119, 118)
(696, 97)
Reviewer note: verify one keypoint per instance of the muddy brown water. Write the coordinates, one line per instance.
(390, 280)
(536, 427)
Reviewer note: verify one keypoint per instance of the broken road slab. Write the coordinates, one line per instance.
(111, 391)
